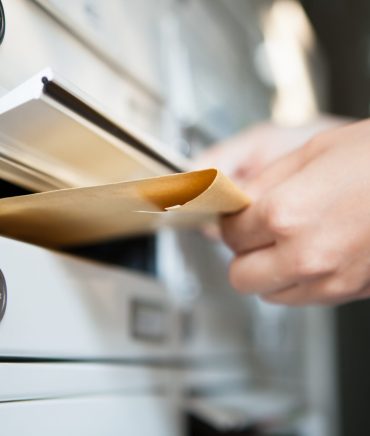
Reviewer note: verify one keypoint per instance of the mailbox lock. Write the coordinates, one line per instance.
(2, 23)
(3, 295)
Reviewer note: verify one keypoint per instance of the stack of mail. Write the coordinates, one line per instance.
(91, 179)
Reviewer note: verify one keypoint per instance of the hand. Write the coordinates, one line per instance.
(245, 155)
(306, 237)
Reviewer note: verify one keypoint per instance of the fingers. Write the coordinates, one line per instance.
(290, 296)
(247, 230)
(232, 157)
(276, 173)
(212, 231)
(263, 271)
(277, 211)
(285, 167)
(265, 222)
(303, 295)
(268, 216)
(333, 289)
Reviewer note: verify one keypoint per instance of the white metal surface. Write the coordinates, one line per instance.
(54, 135)
(95, 416)
(65, 307)
(133, 48)
(34, 40)
(217, 50)
(27, 381)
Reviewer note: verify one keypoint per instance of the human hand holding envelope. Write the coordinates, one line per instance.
(68, 217)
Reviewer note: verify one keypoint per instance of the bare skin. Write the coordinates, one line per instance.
(306, 237)
(243, 156)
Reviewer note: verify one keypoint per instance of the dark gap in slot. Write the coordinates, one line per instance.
(196, 426)
(142, 361)
(138, 253)
(10, 190)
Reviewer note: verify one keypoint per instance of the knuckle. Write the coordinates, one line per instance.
(336, 288)
(345, 287)
(311, 263)
(316, 144)
(278, 215)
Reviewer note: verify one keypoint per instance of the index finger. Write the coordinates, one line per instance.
(247, 230)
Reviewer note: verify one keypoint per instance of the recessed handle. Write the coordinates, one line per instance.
(2, 23)
(3, 295)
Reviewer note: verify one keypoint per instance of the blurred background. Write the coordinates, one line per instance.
(192, 73)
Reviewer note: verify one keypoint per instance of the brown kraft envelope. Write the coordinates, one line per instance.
(76, 216)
